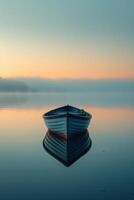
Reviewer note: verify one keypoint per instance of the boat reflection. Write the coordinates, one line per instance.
(69, 150)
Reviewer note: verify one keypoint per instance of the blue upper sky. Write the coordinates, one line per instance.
(82, 17)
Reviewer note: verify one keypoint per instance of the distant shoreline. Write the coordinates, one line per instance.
(44, 85)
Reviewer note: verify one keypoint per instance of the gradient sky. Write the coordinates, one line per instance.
(67, 38)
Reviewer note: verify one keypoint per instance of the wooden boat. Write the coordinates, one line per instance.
(67, 121)
(67, 151)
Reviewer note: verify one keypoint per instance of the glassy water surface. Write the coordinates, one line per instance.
(27, 171)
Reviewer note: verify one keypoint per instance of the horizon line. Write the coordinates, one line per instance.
(65, 79)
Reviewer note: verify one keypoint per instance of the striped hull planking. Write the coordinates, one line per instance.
(67, 124)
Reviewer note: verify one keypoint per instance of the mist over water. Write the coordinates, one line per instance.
(24, 100)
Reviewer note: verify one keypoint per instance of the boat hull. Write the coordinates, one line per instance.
(67, 125)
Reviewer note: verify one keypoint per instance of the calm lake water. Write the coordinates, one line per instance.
(106, 171)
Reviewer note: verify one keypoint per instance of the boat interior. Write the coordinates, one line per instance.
(68, 109)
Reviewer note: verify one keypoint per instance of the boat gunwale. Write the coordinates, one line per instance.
(88, 117)
(48, 115)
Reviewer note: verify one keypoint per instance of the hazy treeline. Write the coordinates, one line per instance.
(80, 85)
(44, 85)
(12, 86)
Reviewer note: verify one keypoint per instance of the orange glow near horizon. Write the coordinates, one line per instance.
(65, 68)
(65, 72)
(63, 62)
(53, 74)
